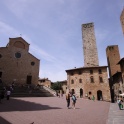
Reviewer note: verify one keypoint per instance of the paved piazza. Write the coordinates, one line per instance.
(52, 110)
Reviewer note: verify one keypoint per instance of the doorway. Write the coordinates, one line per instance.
(29, 79)
(0, 74)
(81, 92)
(99, 95)
(72, 91)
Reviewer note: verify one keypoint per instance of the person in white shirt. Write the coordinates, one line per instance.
(8, 94)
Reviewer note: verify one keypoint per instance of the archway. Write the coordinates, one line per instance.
(72, 91)
(81, 92)
(99, 95)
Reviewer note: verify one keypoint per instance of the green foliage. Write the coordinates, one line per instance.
(56, 86)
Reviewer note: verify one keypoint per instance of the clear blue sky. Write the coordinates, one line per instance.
(53, 29)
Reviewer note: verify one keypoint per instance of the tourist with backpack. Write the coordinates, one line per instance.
(73, 100)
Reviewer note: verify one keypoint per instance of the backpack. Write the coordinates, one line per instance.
(74, 98)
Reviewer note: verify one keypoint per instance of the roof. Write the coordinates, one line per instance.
(20, 38)
(86, 68)
(120, 61)
(117, 73)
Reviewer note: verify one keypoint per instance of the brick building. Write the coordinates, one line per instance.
(17, 64)
(115, 77)
(44, 82)
(91, 79)
(113, 57)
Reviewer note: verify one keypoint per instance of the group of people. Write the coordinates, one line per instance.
(5, 93)
(70, 96)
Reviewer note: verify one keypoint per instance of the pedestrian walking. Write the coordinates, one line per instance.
(8, 93)
(93, 97)
(73, 100)
(68, 99)
(120, 105)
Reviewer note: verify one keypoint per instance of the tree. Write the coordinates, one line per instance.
(56, 86)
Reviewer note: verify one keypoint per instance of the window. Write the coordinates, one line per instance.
(91, 79)
(90, 93)
(0, 56)
(79, 72)
(80, 80)
(32, 63)
(18, 55)
(91, 71)
(100, 71)
(72, 73)
(100, 79)
(72, 81)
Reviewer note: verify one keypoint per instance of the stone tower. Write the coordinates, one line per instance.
(113, 57)
(122, 20)
(89, 45)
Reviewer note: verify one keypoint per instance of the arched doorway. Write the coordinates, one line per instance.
(99, 95)
(81, 92)
(72, 91)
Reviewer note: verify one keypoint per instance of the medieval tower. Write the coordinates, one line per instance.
(89, 45)
(122, 20)
(113, 57)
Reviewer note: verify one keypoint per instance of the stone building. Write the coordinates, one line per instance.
(89, 45)
(91, 79)
(44, 82)
(113, 57)
(115, 78)
(64, 85)
(17, 64)
(121, 63)
(122, 20)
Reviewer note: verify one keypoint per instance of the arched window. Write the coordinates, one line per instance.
(72, 81)
(80, 80)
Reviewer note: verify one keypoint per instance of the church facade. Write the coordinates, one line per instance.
(17, 64)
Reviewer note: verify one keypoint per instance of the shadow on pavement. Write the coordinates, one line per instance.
(3, 121)
(20, 105)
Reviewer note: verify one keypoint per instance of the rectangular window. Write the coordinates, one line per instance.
(100, 71)
(80, 80)
(101, 79)
(91, 71)
(92, 79)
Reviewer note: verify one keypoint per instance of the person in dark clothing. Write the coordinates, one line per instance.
(68, 99)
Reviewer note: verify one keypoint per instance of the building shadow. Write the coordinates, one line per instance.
(20, 105)
(3, 121)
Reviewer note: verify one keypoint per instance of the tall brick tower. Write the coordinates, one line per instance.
(122, 20)
(113, 57)
(89, 45)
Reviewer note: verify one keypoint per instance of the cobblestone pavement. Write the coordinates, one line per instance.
(115, 116)
(52, 110)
